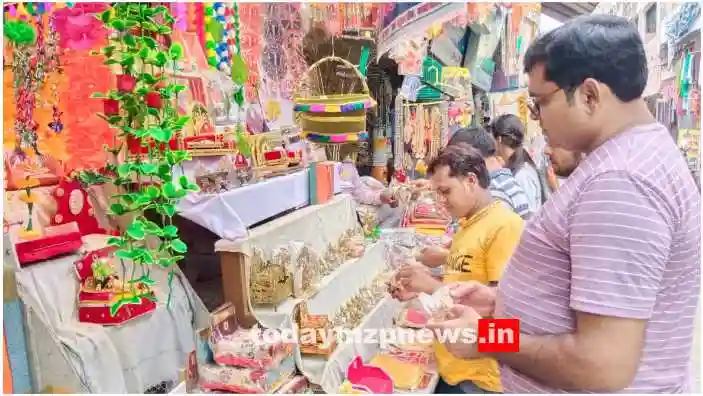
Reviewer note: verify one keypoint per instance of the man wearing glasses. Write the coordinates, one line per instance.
(606, 278)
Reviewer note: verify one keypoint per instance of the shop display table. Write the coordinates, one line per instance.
(129, 358)
(229, 214)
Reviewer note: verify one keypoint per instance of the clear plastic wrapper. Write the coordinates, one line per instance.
(245, 380)
(248, 348)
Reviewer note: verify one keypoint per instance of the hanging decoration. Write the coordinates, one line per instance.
(250, 16)
(21, 35)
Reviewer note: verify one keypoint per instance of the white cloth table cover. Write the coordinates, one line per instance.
(128, 358)
(316, 225)
(229, 214)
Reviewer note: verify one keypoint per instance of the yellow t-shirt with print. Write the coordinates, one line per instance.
(480, 249)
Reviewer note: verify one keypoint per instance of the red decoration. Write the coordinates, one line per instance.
(126, 83)
(153, 100)
(44, 248)
(400, 176)
(274, 155)
(111, 107)
(73, 204)
(94, 304)
(240, 162)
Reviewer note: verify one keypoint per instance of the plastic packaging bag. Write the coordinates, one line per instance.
(247, 348)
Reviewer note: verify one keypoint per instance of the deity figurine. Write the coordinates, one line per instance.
(56, 125)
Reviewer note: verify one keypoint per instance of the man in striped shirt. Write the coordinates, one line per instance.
(606, 278)
(503, 185)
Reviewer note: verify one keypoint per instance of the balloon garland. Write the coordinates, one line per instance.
(240, 71)
(222, 49)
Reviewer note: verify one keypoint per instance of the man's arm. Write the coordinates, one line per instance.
(620, 238)
(602, 355)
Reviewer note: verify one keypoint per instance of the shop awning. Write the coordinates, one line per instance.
(414, 22)
(563, 11)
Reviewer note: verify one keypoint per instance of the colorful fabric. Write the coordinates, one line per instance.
(335, 138)
(620, 238)
(335, 108)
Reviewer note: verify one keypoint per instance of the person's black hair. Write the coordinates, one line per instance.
(476, 137)
(461, 159)
(511, 131)
(603, 47)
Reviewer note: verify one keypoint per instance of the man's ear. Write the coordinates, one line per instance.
(471, 179)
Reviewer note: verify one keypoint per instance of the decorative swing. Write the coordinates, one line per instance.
(329, 109)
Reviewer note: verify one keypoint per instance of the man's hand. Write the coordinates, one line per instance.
(459, 317)
(433, 256)
(388, 198)
(476, 295)
(418, 279)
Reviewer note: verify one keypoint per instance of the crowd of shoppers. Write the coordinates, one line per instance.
(605, 276)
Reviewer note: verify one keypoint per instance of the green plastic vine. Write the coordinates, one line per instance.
(143, 108)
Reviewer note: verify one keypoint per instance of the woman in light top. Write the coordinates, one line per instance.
(509, 133)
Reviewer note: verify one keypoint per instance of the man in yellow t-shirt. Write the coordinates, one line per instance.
(488, 233)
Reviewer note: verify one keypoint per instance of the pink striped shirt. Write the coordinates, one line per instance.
(621, 237)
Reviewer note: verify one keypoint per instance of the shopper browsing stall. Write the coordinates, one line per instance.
(503, 185)
(488, 232)
(606, 282)
(509, 133)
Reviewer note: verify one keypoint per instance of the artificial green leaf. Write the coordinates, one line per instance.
(105, 16)
(165, 262)
(152, 192)
(124, 170)
(166, 209)
(110, 62)
(165, 172)
(135, 231)
(142, 91)
(151, 227)
(160, 10)
(179, 88)
(161, 59)
(142, 200)
(123, 254)
(98, 95)
(114, 119)
(169, 190)
(130, 23)
(116, 241)
(149, 42)
(165, 30)
(127, 61)
(138, 253)
(141, 133)
(176, 51)
(116, 307)
(148, 78)
(152, 111)
(129, 40)
(148, 169)
(150, 27)
(179, 246)
(128, 199)
(118, 24)
(170, 231)
(117, 209)
(147, 258)
(162, 135)
(144, 53)
(181, 122)
(183, 180)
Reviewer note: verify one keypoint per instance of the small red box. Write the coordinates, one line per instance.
(49, 246)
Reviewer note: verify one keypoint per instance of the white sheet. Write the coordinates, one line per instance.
(229, 214)
(121, 359)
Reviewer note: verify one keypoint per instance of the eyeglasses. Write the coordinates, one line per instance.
(535, 102)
